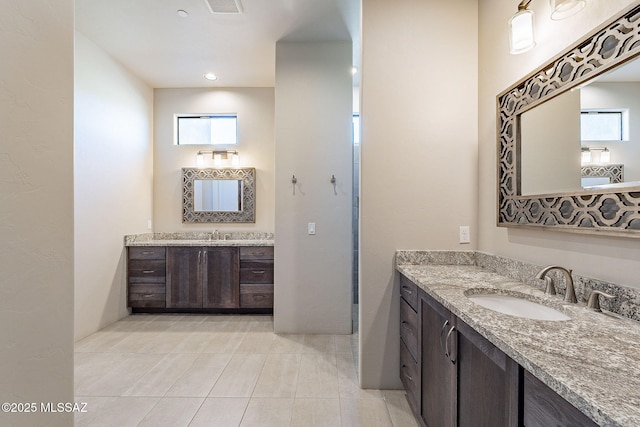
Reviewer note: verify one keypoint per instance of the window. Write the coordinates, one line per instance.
(602, 125)
(214, 129)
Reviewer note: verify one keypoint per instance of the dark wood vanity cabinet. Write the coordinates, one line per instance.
(454, 376)
(146, 267)
(210, 278)
(202, 277)
(544, 407)
(256, 277)
(461, 378)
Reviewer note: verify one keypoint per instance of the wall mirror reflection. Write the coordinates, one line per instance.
(568, 139)
(586, 138)
(218, 195)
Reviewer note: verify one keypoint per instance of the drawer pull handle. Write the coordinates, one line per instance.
(258, 297)
(148, 295)
(147, 252)
(451, 357)
(148, 271)
(407, 290)
(257, 271)
(444, 325)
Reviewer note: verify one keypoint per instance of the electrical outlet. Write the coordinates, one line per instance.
(465, 234)
(311, 228)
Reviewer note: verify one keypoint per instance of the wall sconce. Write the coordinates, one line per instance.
(521, 37)
(218, 156)
(587, 155)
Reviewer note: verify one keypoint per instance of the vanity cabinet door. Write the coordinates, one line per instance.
(487, 382)
(184, 277)
(221, 287)
(439, 386)
(544, 407)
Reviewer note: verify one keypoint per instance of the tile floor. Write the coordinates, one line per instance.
(192, 370)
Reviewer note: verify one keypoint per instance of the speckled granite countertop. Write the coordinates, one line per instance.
(200, 239)
(592, 360)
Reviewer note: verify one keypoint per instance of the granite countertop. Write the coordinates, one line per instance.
(200, 239)
(592, 360)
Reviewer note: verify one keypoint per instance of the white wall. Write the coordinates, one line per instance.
(313, 142)
(418, 153)
(113, 176)
(36, 208)
(255, 109)
(607, 258)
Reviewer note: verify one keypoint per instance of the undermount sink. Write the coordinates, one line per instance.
(517, 306)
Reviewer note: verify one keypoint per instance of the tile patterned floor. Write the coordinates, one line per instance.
(228, 371)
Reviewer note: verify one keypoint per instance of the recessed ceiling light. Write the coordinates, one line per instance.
(210, 76)
(182, 13)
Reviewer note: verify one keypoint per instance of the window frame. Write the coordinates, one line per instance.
(623, 114)
(176, 128)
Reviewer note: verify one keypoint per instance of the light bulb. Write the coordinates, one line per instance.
(605, 156)
(561, 9)
(586, 157)
(235, 159)
(521, 38)
(200, 160)
(217, 159)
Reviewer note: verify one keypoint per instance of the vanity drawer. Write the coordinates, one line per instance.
(147, 295)
(147, 252)
(256, 296)
(409, 292)
(256, 273)
(147, 271)
(256, 252)
(409, 375)
(409, 328)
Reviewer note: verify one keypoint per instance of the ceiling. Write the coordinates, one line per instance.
(166, 50)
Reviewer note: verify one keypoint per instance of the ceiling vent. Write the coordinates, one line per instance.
(224, 6)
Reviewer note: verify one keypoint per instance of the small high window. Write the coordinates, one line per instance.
(602, 125)
(214, 129)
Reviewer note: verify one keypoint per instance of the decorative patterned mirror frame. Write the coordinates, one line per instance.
(246, 175)
(597, 211)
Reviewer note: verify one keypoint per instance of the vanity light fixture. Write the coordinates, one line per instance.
(587, 155)
(218, 156)
(521, 35)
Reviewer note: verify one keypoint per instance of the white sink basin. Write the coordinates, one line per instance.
(517, 306)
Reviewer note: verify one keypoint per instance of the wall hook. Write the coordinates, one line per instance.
(333, 182)
(294, 181)
(333, 179)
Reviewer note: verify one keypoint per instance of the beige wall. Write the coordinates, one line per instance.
(550, 135)
(36, 208)
(313, 142)
(113, 176)
(255, 109)
(607, 258)
(418, 153)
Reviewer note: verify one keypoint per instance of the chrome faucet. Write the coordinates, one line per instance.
(570, 293)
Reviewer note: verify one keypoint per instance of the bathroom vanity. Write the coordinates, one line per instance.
(463, 364)
(200, 275)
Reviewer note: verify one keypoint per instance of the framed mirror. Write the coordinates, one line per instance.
(540, 176)
(218, 195)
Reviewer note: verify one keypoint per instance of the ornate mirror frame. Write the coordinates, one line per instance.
(594, 211)
(246, 175)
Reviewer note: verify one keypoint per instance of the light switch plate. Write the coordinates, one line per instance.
(311, 228)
